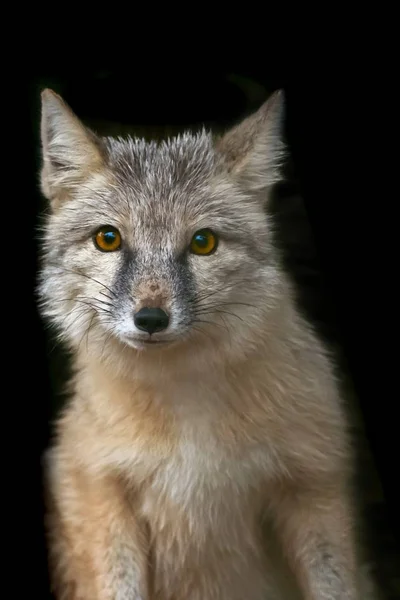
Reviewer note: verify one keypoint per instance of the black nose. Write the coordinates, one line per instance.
(151, 320)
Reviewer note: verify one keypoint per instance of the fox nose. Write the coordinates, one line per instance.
(151, 320)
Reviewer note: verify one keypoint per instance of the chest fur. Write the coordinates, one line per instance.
(202, 506)
(203, 479)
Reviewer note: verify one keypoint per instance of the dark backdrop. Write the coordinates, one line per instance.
(347, 291)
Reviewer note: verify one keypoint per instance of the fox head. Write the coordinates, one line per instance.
(150, 247)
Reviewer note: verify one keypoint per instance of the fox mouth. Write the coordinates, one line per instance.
(138, 342)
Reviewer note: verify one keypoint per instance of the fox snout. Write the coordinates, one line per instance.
(151, 313)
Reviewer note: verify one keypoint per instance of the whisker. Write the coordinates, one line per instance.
(87, 332)
(207, 322)
(105, 343)
(106, 295)
(216, 304)
(97, 308)
(79, 315)
(225, 312)
(102, 302)
(207, 294)
(229, 333)
(205, 333)
(81, 298)
(75, 272)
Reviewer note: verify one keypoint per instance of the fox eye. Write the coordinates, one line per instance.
(107, 239)
(203, 242)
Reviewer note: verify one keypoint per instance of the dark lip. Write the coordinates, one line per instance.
(155, 341)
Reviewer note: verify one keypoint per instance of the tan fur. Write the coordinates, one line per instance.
(201, 476)
(211, 468)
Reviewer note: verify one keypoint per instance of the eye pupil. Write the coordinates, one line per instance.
(201, 240)
(109, 237)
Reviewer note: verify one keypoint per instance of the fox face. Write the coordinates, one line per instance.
(159, 245)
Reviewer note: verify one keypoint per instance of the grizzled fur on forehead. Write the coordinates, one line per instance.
(182, 164)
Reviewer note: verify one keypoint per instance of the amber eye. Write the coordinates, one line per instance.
(107, 239)
(203, 242)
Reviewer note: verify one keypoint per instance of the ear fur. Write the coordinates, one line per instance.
(253, 151)
(70, 151)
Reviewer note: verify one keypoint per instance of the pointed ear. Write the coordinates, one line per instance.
(70, 152)
(253, 151)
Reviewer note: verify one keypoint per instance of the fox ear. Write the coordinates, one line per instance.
(70, 151)
(253, 151)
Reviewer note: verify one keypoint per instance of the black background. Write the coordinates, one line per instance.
(331, 121)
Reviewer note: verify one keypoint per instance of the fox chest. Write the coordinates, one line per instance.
(203, 516)
(199, 491)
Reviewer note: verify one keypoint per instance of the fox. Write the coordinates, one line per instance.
(204, 451)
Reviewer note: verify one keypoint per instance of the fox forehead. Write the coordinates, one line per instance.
(184, 163)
